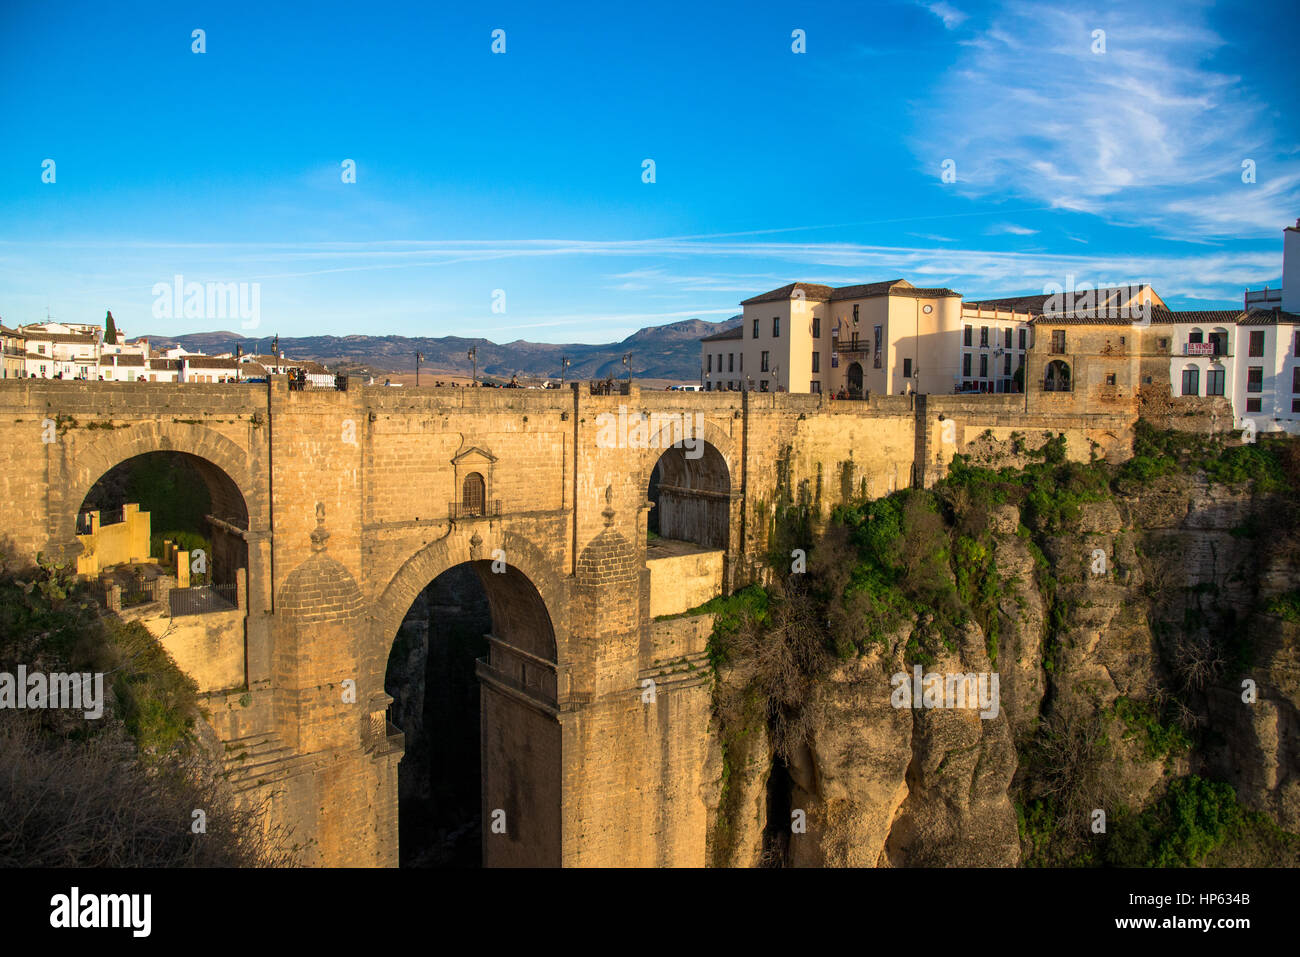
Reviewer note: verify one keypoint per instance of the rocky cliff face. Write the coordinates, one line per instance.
(1125, 642)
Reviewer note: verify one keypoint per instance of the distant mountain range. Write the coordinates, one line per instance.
(658, 352)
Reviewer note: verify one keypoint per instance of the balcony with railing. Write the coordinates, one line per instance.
(1208, 349)
(460, 511)
(1265, 298)
(850, 347)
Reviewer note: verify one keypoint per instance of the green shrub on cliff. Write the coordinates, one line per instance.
(117, 791)
(1192, 822)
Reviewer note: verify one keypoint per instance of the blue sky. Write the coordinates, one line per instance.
(522, 171)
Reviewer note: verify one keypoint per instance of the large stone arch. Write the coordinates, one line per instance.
(520, 735)
(390, 607)
(221, 461)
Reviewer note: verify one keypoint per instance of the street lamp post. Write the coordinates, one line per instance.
(564, 367)
(473, 357)
(418, 356)
(627, 362)
(239, 351)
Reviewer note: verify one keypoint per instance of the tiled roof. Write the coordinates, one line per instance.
(1268, 317)
(925, 292)
(820, 293)
(1038, 304)
(810, 291)
(1162, 316)
(1012, 303)
(1084, 319)
(61, 337)
(209, 362)
(868, 290)
(894, 287)
(126, 359)
(737, 333)
(6, 331)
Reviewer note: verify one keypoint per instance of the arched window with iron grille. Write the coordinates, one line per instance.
(473, 494)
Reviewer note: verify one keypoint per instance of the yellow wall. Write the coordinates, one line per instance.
(679, 583)
(118, 544)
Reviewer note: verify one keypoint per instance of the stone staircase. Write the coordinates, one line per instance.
(259, 760)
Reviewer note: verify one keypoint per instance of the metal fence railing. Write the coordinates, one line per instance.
(202, 599)
(142, 591)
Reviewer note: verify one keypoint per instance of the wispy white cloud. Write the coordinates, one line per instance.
(700, 274)
(1012, 229)
(1145, 133)
(950, 15)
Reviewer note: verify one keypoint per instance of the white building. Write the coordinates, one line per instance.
(1203, 351)
(201, 368)
(57, 350)
(1267, 387)
(993, 345)
(123, 367)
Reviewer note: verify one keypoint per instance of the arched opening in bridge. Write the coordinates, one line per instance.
(473, 680)
(166, 523)
(690, 489)
(689, 527)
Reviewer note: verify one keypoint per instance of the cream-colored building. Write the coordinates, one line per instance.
(889, 338)
(804, 337)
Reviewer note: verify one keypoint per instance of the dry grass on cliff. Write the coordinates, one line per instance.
(775, 667)
(90, 803)
(1073, 765)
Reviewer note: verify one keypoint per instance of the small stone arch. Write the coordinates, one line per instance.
(712, 476)
(223, 464)
(853, 380)
(713, 435)
(1056, 378)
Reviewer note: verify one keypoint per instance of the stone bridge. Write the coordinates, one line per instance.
(333, 510)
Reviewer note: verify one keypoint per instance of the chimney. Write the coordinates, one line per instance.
(1291, 268)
